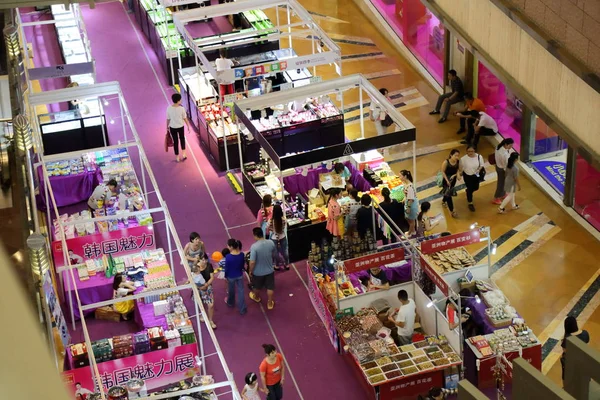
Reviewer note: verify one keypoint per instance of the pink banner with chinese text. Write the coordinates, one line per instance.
(119, 242)
(157, 368)
(450, 242)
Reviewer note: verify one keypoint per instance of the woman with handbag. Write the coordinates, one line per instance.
(450, 175)
(511, 183)
(379, 116)
(176, 120)
(501, 154)
(472, 170)
(411, 203)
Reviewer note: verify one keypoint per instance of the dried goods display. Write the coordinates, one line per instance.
(369, 365)
(453, 357)
(440, 362)
(407, 348)
(417, 353)
(409, 370)
(425, 366)
(422, 359)
(421, 344)
(431, 349)
(348, 324)
(436, 355)
(393, 349)
(383, 361)
(389, 367)
(373, 371)
(405, 363)
(363, 352)
(393, 374)
(371, 323)
(377, 379)
(450, 260)
(400, 357)
(446, 349)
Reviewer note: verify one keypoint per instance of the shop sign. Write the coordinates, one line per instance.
(374, 260)
(435, 277)
(554, 172)
(450, 242)
(157, 368)
(119, 242)
(410, 388)
(320, 306)
(289, 63)
(58, 318)
(61, 71)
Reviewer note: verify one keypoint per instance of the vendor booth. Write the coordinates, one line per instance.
(289, 154)
(263, 60)
(70, 123)
(161, 350)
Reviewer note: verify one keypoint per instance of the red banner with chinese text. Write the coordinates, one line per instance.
(157, 368)
(374, 260)
(119, 242)
(450, 242)
(435, 277)
(410, 387)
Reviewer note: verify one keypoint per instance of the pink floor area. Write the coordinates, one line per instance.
(201, 200)
(46, 51)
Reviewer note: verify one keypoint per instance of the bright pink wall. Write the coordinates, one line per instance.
(587, 192)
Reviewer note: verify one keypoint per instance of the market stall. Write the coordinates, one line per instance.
(72, 123)
(166, 356)
(293, 162)
(357, 320)
(263, 58)
(494, 327)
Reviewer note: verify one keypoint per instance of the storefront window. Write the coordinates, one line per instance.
(587, 192)
(420, 31)
(546, 139)
(501, 104)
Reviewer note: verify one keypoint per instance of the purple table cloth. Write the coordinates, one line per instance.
(395, 275)
(69, 189)
(302, 184)
(143, 315)
(97, 288)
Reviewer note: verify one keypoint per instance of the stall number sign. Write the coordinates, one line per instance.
(450, 242)
(374, 260)
(435, 277)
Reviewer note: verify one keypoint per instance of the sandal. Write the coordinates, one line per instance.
(444, 204)
(254, 297)
(454, 214)
(270, 305)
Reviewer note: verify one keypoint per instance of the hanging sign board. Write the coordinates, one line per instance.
(289, 63)
(374, 260)
(435, 277)
(61, 71)
(451, 242)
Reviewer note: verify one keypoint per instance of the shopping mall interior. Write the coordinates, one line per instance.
(285, 100)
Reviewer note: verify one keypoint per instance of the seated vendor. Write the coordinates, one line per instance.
(377, 279)
(103, 192)
(452, 315)
(123, 288)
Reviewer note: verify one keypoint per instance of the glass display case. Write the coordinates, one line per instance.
(72, 130)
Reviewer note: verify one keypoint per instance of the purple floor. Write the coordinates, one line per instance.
(201, 200)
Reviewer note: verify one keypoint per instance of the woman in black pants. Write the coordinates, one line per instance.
(450, 175)
(176, 120)
(470, 167)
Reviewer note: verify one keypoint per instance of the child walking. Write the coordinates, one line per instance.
(250, 391)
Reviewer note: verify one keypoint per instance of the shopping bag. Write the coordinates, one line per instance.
(168, 142)
(492, 159)
(387, 121)
(439, 179)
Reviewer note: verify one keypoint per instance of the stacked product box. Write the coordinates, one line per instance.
(157, 338)
(122, 346)
(141, 343)
(102, 350)
(173, 338)
(187, 334)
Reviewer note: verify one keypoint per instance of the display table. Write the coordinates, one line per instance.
(143, 314)
(479, 369)
(302, 184)
(70, 189)
(96, 289)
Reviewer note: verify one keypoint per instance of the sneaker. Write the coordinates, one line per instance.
(516, 207)
(497, 201)
(471, 207)
(501, 210)
(434, 112)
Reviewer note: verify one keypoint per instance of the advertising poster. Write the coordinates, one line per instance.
(123, 241)
(58, 318)
(157, 368)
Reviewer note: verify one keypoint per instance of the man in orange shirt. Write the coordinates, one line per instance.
(473, 104)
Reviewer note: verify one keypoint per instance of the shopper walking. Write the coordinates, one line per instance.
(272, 373)
(264, 214)
(194, 250)
(450, 176)
(511, 183)
(501, 154)
(352, 206)
(203, 275)
(234, 273)
(571, 329)
(470, 169)
(262, 256)
(250, 391)
(411, 203)
(176, 120)
(447, 99)
(278, 229)
(335, 223)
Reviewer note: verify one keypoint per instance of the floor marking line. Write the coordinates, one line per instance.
(299, 276)
(241, 226)
(167, 100)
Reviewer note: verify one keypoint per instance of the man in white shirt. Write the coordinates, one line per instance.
(484, 125)
(223, 66)
(405, 319)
